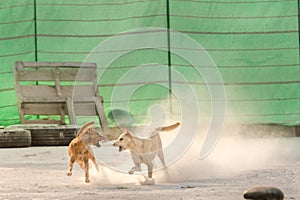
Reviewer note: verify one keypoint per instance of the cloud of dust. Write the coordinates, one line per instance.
(109, 176)
(232, 155)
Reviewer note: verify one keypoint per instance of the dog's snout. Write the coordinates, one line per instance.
(103, 138)
(98, 144)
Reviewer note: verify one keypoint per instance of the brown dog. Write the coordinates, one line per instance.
(143, 150)
(80, 150)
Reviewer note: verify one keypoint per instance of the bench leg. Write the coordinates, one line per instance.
(21, 113)
(62, 114)
(70, 109)
(101, 114)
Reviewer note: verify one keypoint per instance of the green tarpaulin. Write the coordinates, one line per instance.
(253, 43)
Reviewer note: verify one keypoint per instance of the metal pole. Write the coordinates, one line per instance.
(35, 31)
(35, 39)
(169, 56)
(299, 29)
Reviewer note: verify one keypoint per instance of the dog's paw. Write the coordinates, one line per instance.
(69, 174)
(135, 169)
(87, 180)
(131, 172)
(138, 169)
(148, 181)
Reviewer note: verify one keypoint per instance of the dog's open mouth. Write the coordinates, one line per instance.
(98, 144)
(120, 148)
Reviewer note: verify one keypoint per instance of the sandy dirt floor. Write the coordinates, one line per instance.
(235, 165)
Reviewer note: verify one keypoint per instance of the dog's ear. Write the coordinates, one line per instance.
(128, 133)
(123, 130)
(84, 128)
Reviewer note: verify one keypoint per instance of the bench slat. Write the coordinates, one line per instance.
(80, 109)
(50, 91)
(78, 91)
(37, 91)
(43, 100)
(58, 64)
(43, 121)
(46, 74)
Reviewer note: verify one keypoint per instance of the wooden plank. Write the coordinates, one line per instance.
(86, 99)
(46, 74)
(49, 100)
(59, 64)
(85, 109)
(43, 121)
(78, 91)
(44, 100)
(38, 91)
(35, 75)
(44, 91)
(80, 74)
(79, 109)
(42, 108)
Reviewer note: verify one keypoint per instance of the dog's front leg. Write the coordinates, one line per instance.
(149, 180)
(86, 169)
(137, 163)
(135, 169)
(150, 169)
(70, 168)
(92, 157)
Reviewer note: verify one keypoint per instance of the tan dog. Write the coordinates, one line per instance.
(80, 150)
(143, 150)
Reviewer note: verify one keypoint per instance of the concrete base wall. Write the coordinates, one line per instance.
(267, 130)
(297, 130)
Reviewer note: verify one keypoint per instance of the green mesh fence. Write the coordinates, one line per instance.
(254, 44)
(16, 43)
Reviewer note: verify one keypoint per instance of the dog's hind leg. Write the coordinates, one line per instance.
(70, 168)
(161, 157)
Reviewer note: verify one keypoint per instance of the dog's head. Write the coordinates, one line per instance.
(89, 135)
(124, 141)
(94, 137)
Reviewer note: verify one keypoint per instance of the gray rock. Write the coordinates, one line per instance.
(263, 193)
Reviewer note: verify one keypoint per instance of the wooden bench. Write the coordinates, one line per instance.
(58, 88)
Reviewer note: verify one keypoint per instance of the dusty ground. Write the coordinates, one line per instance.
(235, 165)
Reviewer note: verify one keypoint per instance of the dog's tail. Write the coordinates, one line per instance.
(84, 128)
(168, 128)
